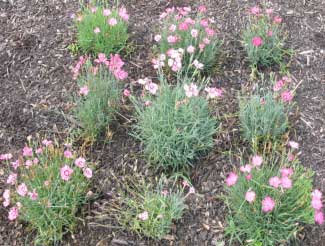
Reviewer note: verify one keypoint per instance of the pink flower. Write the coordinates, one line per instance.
(269, 33)
(202, 9)
(106, 12)
(204, 23)
(190, 49)
(269, 11)
(46, 143)
(88, 173)
(101, 58)
(191, 190)
(39, 151)
(66, 172)
(250, 196)
(80, 162)
(84, 90)
(6, 194)
(316, 194)
(257, 41)
(319, 217)
(246, 169)
(157, 38)
(12, 178)
(198, 65)
(35, 161)
(316, 204)
(172, 28)
(126, 93)
(249, 177)
(278, 85)
(120, 74)
(147, 103)
(22, 189)
(268, 204)
(277, 19)
(15, 164)
(232, 179)
(112, 22)
(286, 182)
(257, 160)
(206, 41)
(152, 88)
(286, 96)
(13, 213)
(97, 30)
(183, 26)
(123, 13)
(46, 183)
(5, 157)
(27, 151)
(172, 39)
(68, 154)
(255, 10)
(190, 21)
(210, 32)
(143, 216)
(293, 144)
(287, 79)
(33, 195)
(143, 81)
(275, 182)
(93, 9)
(191, 90)
(185, 183)
(164, 192)
(201, 46)
(28, 163)
(286, 172)
(194, 33)
(213, 92)
(115, 63)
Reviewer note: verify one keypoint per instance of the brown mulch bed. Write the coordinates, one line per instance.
(36, 87)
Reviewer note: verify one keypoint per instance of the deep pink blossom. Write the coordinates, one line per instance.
(126, 92)
(277, 19)
(120, 74)
(123, 13)
(275, 182)
(286, 182)
(33, 195)
(286, 172)
(68, 154)
(319, 217)
(27, 151)
(202, 9)
(231, 179)
(278, 85)
(183, 26)
(268, 204)
(257, 41)
(255, 10)
(257, 160)
(316, 204)
(286, 96)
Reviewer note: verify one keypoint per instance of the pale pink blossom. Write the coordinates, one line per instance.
(269, 33)
(209, 31)
(278, 85)
(268, 204)
(152, 88)
(213, 92)
(206, 41)
(255, 10)
(28, 163)
(143, 216)
(39, 151)
(115, 63)
(201, 46)
(15, 164)
(35, 161)
(293, 144)
(190, 21)
(275, 182)
(316, 194)
(286, 172)
(157, 38)
(88, 173)
(172, 28)
(269, 11)
(202, 9)
(172, 39)
(316, 204)
(46, 143)
(6, 157)
(143, 81)
(112, 22)
(46, 183)
(120, 74)
(231, 179)
(183, 26)
(185, 183)
(13, 213)
(250, 196)
(97, 30)
(27, 151)
(12, 178)
(198, 64)
(287, 79)
(286, 182)
(286, 96)
(22, 189)
(123, 13)
(84, 90)
(257, 160)
(79, 18)
(101, 58)
(147, 103)
(33, 195)
(66, 172)
(194, 33)
(319, 217)
(164, 192)
(126, 93)
(257, 41)
(106, 12)
(93, 9)
(80, 162)
(291, 157)
(249, 177)
(191, 190)
(204, 23)
(191, 90)
(6, 194)
(190, 49)
(67, 154)
(246, 168)
(277, 19)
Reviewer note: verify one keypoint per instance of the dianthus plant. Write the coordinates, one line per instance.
(46, 187)
(185, 44)
(149, 209)
(264, 39)
(270, 199)
(174, 123)
(264, 119)
(99, 93)
(101, 29)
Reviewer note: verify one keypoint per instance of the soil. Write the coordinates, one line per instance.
(36, 89)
